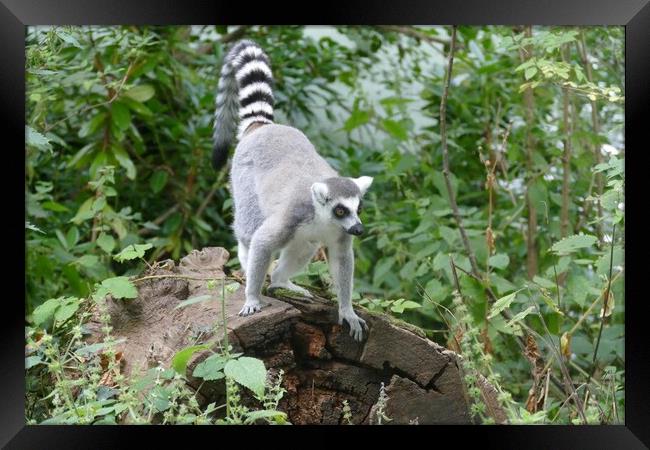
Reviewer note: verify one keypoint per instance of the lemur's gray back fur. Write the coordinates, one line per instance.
(272, 171)
(245, 93)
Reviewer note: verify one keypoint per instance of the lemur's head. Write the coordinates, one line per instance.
(339, 199)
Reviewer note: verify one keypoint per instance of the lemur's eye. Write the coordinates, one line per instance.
(340, 211)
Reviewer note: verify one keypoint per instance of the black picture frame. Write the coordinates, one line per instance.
(15, 15)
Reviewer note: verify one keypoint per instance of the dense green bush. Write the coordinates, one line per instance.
(118, 142)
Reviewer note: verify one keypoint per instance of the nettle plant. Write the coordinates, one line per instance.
(547, 69)
(557, 321)
(87, 386)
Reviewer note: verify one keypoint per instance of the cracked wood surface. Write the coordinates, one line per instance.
(323, 365)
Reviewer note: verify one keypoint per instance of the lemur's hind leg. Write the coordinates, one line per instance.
(294, 257)
(266, 239)
(242, 254)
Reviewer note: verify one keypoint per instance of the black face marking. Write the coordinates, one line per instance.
(340, 211)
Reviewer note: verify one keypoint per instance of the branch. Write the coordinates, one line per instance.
(182, 277)
(234, 35)
(225, 39)
(160, 219)
(112, 97)
(566, 159)
(415, 33)
(445, 154)
(605, 303)
(566, 377)
(207, 199)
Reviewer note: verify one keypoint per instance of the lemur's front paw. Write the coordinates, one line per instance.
(357, 324)
(291, 287)
(250, 307)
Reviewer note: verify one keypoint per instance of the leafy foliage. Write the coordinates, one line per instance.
(118, 137)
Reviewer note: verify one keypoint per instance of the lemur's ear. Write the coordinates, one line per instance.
(363, 183)
(320, 192)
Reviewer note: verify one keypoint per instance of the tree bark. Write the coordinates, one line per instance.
(322, 364)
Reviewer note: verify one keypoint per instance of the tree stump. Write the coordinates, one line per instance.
(322, 364)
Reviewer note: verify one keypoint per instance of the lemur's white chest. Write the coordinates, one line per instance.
(317, 232)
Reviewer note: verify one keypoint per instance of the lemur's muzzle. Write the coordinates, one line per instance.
(356, 229)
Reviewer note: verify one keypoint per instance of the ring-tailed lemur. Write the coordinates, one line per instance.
(287, 198)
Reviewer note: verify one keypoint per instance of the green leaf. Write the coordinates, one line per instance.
(395, 128)
(158, 181)
(84, 212)
(450, 235)
(275, 416)
(106, 242)
(80, 154)
(137, 107)
(181, 358)
(543, 282)
(61, 238)
(36, 140)
(68, 39)
(520, 316)
(88, 260)
(499, 324)
(602, 265)
(93, 348)
(436, 290)
(160, 398)
(551, 303)
(118, 287)
(92, 125)
(125, 161)
(45, 311)
(381, 269)
(500, 260)
(118, 226)
(140, 93)
(193, 300)
(573, 243)
(29, 226)
(72, 236)
(530, 72)
(67, 309)
(31, 361)
(98, 205)
(121, 115)
(441, 262)
(249, 372)
(132, 251)
(211, 368)
(502, 303)
(356, 119)
(400, 305)
(578, 286)
(54, 206)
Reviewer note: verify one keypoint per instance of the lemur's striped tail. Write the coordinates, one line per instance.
(245, 94)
